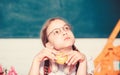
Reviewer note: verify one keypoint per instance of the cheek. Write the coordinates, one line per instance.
(55, 41)
(58, 43)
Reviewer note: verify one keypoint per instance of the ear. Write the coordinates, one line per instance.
(49, 45)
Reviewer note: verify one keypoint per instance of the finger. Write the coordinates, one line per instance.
(50, 46)
(72, 60)
(69, 58)
(79, 58)
(52, 58)
(75, 61)
(53, 51)
(50, 55)
(82, 57)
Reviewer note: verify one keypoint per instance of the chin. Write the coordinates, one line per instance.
(65, 44)
(68, 44)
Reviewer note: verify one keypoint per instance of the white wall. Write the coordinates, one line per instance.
(20, 52)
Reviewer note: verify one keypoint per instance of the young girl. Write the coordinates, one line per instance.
(57, 39)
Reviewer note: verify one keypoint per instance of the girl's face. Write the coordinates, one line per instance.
(60, 35)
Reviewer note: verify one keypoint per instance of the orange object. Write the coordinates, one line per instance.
(108, 62)
(60, 59)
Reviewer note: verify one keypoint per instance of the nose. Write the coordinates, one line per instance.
(63, 32)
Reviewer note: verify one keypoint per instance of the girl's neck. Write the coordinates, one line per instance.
(67, 49)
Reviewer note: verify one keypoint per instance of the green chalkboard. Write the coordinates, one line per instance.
(89, 18)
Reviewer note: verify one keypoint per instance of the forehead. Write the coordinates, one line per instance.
(56, 24)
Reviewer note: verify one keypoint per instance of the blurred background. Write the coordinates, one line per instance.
(89, 18)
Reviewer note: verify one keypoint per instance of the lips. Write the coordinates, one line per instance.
(67, 38)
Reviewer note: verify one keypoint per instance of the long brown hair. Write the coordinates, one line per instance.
(44, 38)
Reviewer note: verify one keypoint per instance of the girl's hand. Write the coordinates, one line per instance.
(45, 54)
(74, 57)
